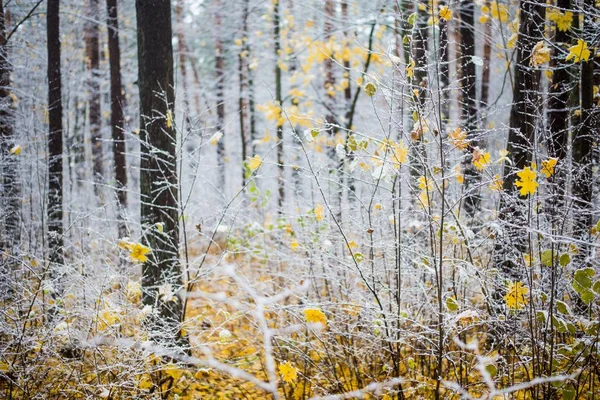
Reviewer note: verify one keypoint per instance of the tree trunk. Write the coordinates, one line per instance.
(92, 50)
(220, 76)
(583, 142)
(161, 278)
(117, 120)
(55, 137)
(11, 189)
(525, 93)
(278, 100)
(469, 109)
(243, 89)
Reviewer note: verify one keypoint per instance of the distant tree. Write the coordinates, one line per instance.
(161, 275)
(583, 142)
(10, 186)
(469, 104)
(92, 51)
(279, 101)
(220, 94)
(55, 136)
(117, 120)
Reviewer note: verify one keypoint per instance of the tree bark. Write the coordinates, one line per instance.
(469, 105)
(161, 278)
(55, 137)
(278, 100)
(11, 188)
(220, 76)
(117, 120)
(92, 50)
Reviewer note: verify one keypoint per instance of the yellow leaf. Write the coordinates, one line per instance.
(526, 183)
(288, 372)
(254, 162)
(540, 54)
(497, 183)
(516, 296)
(169, 119)
(481, 160)
(548, 167)
(294, 245)
(16, 150)
(458, 138)
(370, 89)
(319, 212)
(138, 252)
(410, 69)
(579, 52)
(214, 139)
(315, 316)
(445, 13)
(564, 21)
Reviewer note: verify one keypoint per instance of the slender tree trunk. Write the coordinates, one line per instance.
(55, 137)
(243, 89)
(161, 278)
(487, 52)
(279, 101)
(220, 76)
(583, 142)
(330, 119)
(92, 50)
(117, 120)
(11, 189)
(469, 109)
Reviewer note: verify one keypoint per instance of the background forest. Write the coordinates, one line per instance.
(336, 199)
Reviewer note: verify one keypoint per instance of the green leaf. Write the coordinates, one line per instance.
(559, 325)
(562, 307)
(358, 257)
(565, 259)
(587, 297)
(568, 393)
(370, 89)
(596, 287)
(451, 304)
(541, 316)
(547, 258)
(314, 133)
(582, 280)
(412, 18)
(491, 369)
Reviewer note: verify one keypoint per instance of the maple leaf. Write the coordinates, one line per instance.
(564, 21)
(548, 167)
(288, 372)
(497, 183)
(526, 183)
(540, 54)
(445, 13)
(138, 252)
(254, 162)
(516, 296)
(481, 160)
(458, 138)
(315, 316)
(579, 52)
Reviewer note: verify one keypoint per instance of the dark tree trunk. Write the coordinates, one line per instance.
(278, 100)
(583, 142)
(525, 92)
(220, 76)
(158, 176)
(469, 105)
(55, 137)
(92, 50)
(558, 122)
(117, 120)
(243, 89)
(10, 211)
